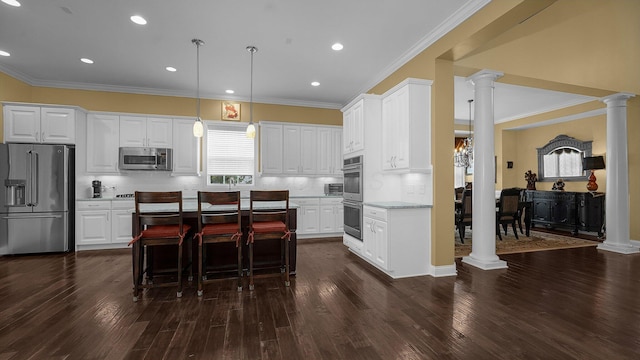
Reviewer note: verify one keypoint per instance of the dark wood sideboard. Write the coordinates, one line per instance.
(575, 211)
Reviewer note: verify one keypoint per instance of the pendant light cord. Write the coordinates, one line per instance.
(252, 50)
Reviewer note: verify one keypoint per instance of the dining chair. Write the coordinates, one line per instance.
(158, 222)
(508, 210)
(219, 221)
(464, 215)
(269, 219)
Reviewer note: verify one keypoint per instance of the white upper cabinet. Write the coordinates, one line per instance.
(102, 143)
(39, 124)
(353, 128)
(186, 149)
(271, 148)
(406, 127)
(329, 155)
(137, 131)
(294, 149)
(300, 149)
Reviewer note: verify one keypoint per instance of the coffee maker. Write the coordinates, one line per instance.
(97, 188)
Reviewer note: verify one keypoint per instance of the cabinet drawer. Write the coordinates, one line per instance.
(123, 205)
(94, 205)
(375, 213)
(331, 201)
(305, 201)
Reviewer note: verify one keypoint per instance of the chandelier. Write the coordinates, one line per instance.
(463, 156)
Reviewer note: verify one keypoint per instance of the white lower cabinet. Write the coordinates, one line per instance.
(331, 215)
(319, 216)
(103, 224)
(396, 240)
(92, 223)
(308, 216)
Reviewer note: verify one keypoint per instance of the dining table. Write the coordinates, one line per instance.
(524, 208)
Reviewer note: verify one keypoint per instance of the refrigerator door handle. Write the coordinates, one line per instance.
(32, 216)
(34, 179)
(29, 178)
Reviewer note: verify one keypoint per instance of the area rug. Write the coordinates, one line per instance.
(538, 241)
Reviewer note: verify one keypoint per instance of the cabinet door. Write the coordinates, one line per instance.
(338, 211)
(357, 126)
(58, 125)
(308, 150)
(159, 132)
(389, 130)
(21, 124)
(271, 148)
(93, 227)
(326, 151)
(395, 130)
(368, 238)
(120, 226)
(381, 243)
(309, 220)
(327, 219)
(102, 143)
(336, 163)
(291, 150)
(347, 122)
(133, 131)
(186, 152)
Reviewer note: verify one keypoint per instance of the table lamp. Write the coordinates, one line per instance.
(592, 163)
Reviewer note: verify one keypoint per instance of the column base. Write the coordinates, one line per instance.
(619, 248)
(485, 264)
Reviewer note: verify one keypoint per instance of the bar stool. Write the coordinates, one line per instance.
(269, 219)
(219, 222)
(158, 222)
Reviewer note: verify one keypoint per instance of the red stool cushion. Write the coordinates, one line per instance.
(164, 231)
(269, 226)
(217, 229)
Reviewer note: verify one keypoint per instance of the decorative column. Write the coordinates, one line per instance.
(483, 251)
(617, 167)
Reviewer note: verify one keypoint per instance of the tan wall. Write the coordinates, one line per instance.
(15, 90)
(590, 47)
(520, 147)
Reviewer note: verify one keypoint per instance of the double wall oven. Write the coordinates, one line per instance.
(352, 194)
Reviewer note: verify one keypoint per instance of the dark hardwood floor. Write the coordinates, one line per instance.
(561, 304)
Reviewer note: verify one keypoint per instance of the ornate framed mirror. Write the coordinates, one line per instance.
(561, 158)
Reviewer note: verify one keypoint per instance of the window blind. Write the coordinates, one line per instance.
(229, 151)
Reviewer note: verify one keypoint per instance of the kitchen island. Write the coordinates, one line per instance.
(221, 258)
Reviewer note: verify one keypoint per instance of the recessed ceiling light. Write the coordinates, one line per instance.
(229, 91)
(139, 20)
(4, 53)
(11, 2)
(171, 68)
(337, 46)
(315, 83)
(86, 61)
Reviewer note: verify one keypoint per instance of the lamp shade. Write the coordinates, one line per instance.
(593, 163)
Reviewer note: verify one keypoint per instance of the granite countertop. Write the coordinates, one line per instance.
(396, 205)
(186, 198)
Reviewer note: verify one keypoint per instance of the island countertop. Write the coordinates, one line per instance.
(396, 205)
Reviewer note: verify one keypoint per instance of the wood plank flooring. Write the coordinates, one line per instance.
(562, 304)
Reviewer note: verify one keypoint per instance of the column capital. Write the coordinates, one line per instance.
(616, 99)
(491, 75)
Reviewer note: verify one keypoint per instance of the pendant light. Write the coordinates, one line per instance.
(251, 129)
(198, 128)
(464, 155)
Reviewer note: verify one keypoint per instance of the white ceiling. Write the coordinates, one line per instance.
(47, 38)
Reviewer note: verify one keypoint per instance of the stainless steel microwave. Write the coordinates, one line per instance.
(144, 158)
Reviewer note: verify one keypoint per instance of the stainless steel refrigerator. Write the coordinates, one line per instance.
(37, 198)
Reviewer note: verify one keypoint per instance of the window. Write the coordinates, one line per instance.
(561, 158)
(230, 154)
